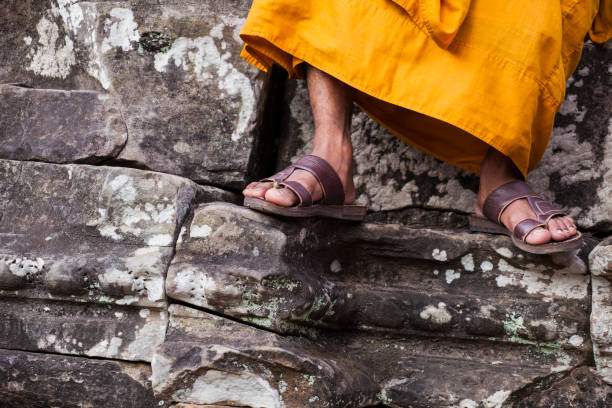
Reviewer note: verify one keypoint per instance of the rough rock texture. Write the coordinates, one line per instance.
(36, 380)
(59, 126)
(99, 234)
(601, 313)
(581, 388)
(125, 283)
(600, 259)
(206, 359)
(373, 276)
(77, 235)
(576, 171)
(394, 289)
(173, 70)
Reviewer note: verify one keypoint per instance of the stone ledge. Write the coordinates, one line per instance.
(344, 368)
(59, 126)
(90, 234)
(292, 277)
(112, 332)
(47, 380)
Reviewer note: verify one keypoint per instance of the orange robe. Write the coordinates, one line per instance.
(451, 77)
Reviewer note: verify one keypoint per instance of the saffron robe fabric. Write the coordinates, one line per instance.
(450, 77)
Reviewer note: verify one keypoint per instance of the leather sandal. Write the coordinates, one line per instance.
(331, 205)
(506, 194)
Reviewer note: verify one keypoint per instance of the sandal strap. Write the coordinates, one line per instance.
(503, 196)
(506, 194)
(524, 228)
(543, 209)
(300, 191)
(333, 192)
(280, 176)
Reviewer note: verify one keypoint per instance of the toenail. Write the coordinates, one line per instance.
(559, 231)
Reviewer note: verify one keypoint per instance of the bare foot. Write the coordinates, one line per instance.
(498, 169)
(332, 103)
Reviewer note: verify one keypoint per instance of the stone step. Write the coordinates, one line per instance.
(84, 329)
(290, 276)
(59, 126)
(600, 266)
(90, 234)
(208, 359)
(50, 380)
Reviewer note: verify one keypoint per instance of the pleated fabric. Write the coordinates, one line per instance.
(450, 77)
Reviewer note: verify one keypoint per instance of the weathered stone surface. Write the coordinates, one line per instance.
(123, 333)
(202, 122)
(209, 360)
(576, 171)
(290, 276)
(581, 388)
(185, 93)
(601, 326)
(181, 405)
(47, 380)
(600, 259)
(59, 126)
(38, 38)
(404, 310)
(94, 234)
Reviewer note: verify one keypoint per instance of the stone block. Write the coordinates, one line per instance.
(601, 326)
(51, 380)
(59, 126)
(600, 259)
(90, 234)
(39, 39)
(212, 360)
(174, 68)
(581, 388)
(197, 112)
(575, 172)
(115, 332)
(208, 359)
(293, 276)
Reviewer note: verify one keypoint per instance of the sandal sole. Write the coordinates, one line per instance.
(481, 224)
(341, 212)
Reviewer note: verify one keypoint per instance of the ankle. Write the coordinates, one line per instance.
(496, 169)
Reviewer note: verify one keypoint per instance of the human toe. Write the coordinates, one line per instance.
(257, 189)
(281, 196)
(561, 228)
(538, 236)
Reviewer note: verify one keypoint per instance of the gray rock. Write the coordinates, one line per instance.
(39, 40)
(581, 388)
(181, 405)
(196, 112)
(93, 234)
(575, 172)
(601, 326)
(59, 126)
(185, 93)
(209, 360)
(122, 333)
(600, 266)
(600, 259)
(292, 276)
(50, 380)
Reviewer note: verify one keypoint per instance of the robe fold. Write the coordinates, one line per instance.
(450, 77)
